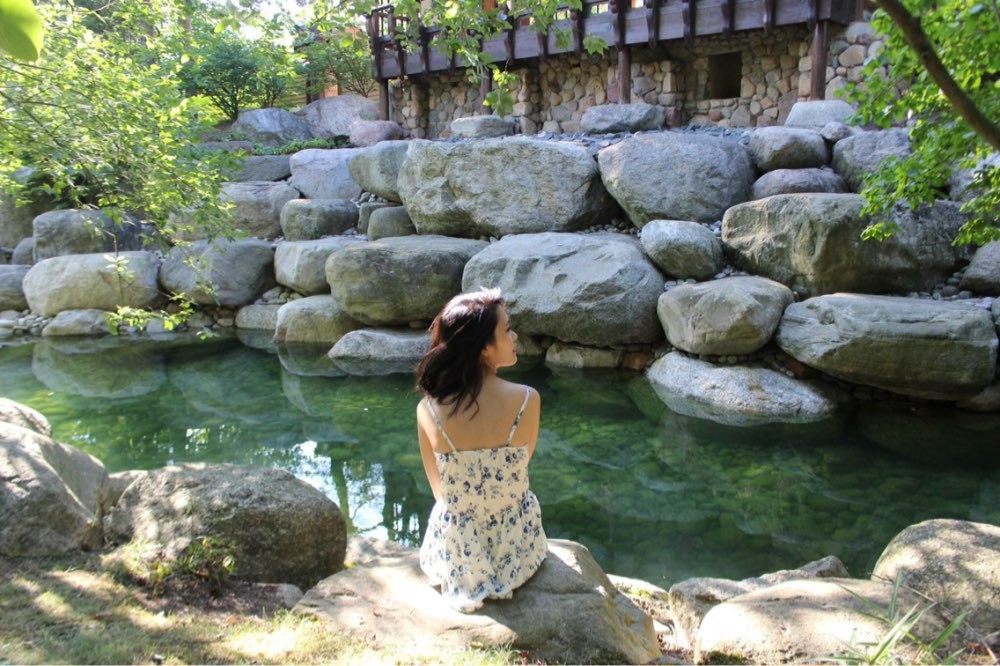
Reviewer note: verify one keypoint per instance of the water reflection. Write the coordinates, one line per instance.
(652, 493)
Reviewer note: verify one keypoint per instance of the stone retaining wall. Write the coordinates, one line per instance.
(693, 85)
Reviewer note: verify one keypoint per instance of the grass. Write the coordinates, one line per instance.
(78, 610)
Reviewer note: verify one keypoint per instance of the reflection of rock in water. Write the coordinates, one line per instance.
(98, 370)
(257, 339)
(931, 433)
(309, 360)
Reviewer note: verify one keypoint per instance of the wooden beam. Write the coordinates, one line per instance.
(383, 99)
(688, 10)
(817, 57)
(485, 86)
(728, 17)
(624, 76)
(653, 22)
(579, 30)
(425, 47)
(770, 12)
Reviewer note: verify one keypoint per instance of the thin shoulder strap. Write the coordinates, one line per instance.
(517, 419)
(437, 422)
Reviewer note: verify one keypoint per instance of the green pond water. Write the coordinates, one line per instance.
(653, 494)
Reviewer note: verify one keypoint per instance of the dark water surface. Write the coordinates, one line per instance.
(653, 494)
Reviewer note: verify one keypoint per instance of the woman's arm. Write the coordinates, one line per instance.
(427, 453)
(530, 420)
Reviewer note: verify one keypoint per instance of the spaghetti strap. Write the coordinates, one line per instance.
(517, 419)
(437, 422)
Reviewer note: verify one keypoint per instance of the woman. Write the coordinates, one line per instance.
(477, 433)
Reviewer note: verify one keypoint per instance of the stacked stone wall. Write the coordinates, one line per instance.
(551, 95)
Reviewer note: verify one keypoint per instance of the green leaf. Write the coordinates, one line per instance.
(20, 29)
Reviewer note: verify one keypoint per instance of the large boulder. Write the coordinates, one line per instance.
(50, 495)
(77, 322)
(861, 153)
(736, 315)
(261, 168)
(379, 351)
(676, 176)
(395, 281)
(796, 181)
(258, 317)
(234, 272)
(272, 126)
(16, 218)
(333, 116)
(364, 133)
(568, 612)
(916, 347)
(955, 563)
(23, 416)
(691, 599)
(376, 168)
(256, 206)
(313, 320)
(597, 289)
(301, 265)
(12, 287)
(281, 529)
(804, 620)
(481, 127)
(390, 221)
(787, 148)
(812, 243)
(682, 249)
(817, 114)
(323, 174)
(72, 231)
(737, 395)
(605, 118)
(308, 219)
(78, 281)
(470, 189)
(983, 273)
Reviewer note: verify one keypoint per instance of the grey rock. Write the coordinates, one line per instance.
(691, 599)
(82, 367)
(52, 495)
(787, 148)
(72, 231)
(811, 243)
(386, 222)
(17, 414)
(606, 118)
(836, 130)
(376, 168)
(481, 127)
(261, 168)
(333, 116)
(24, 252)
(258, 317)
(961, 181)
(573, 287)
(862, 152)
(272, 126)
(682, 249)
(983, 273)
(301, 265)
(323, 174)
(803, 620)
(676, 176)
(380, 351)
(15, 219)
(80, 281)
(395, 281)
(282, 529)
(736, 395)
(736, 315)
(568, 355)
(795, 181)
(77, 322)
(313, 319)
(365, 211)
(470, 189)
(363, 133)
(12, 287)
(309, 219)
(568, 612)
(915, 347)
(256, 207)
(955, 563)
(236, 271)
(816, 115)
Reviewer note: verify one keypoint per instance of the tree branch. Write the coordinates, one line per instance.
(914, 35)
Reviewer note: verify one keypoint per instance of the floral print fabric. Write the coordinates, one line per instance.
(485, 536)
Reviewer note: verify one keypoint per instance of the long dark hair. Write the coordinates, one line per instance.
(451, 371)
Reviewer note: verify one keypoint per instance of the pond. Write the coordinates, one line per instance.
(653, 494)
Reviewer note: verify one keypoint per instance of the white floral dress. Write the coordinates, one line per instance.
(485, 536)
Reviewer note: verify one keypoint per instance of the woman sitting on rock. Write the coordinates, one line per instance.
(477, 433)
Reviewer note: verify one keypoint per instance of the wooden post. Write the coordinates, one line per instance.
(817, 57)
(383, 99)
(624, 75)
(485, 86)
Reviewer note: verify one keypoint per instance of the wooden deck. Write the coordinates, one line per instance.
(616, 21)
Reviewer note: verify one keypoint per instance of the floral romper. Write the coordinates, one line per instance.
(485, 536)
